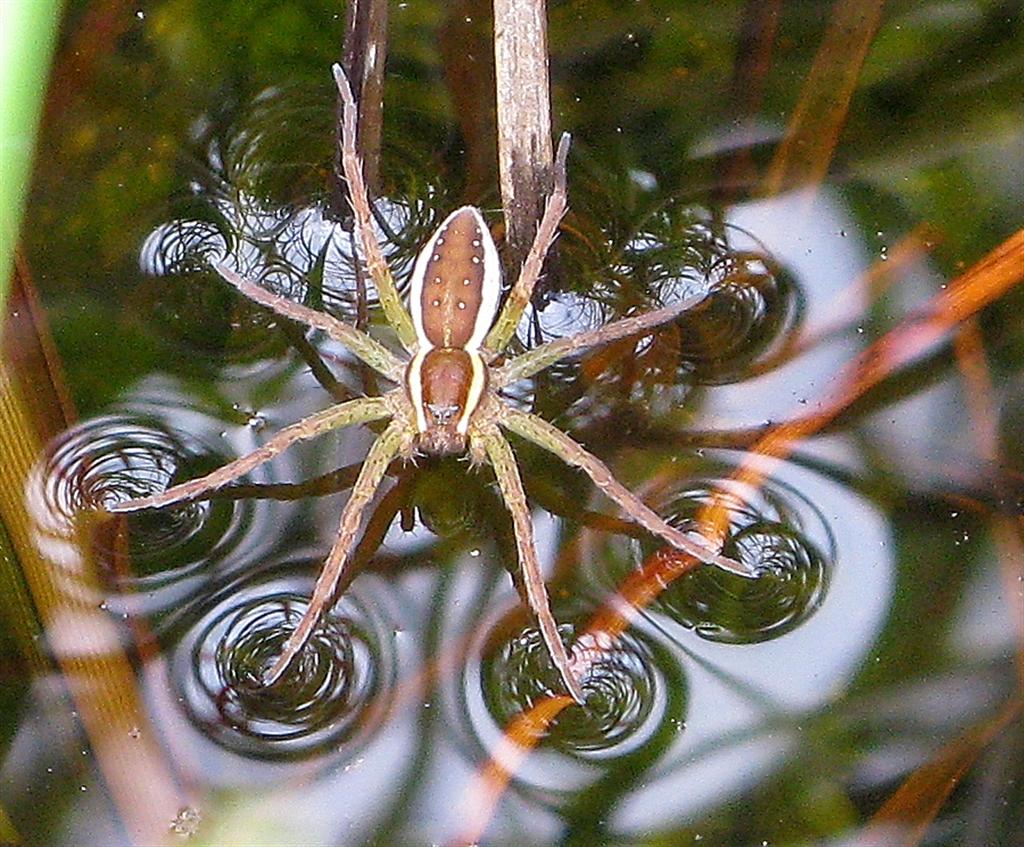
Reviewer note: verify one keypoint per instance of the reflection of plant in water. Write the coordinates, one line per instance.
(236, 202)
(448, 401)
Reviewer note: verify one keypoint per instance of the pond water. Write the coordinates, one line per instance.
(885, 619)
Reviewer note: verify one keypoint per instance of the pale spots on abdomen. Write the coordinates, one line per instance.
(453, 282)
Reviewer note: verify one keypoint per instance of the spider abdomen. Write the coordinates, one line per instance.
(453, 283)
(456, 283)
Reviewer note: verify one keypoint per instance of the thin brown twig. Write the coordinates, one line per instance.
(364, 55)
(547, 230)
(805, 154)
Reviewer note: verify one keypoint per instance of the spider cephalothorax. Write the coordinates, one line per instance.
(448, 397)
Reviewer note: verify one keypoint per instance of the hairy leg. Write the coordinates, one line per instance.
(381, 453)
(501, 457)
(535, 360)
(519, 297)
(376, 355)
(361, 410)
(379, 270)
(543, 434)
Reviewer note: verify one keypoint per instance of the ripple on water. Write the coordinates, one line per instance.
(669, 708)
(751, 311)
(108, 460)
(623, 689)
(636, 700)
(776, 531)
(324, 701)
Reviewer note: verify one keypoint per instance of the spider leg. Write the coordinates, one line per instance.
(535, 360)
(360, 410)
(543, 434)
(366, 484)
(507, 473)
(375, 354)
(390, 301)
(519, 297)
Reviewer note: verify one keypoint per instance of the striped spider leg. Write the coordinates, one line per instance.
(448, 402)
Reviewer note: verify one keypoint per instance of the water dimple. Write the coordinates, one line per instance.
(240, 208)
(621, 688)
(202, 316)
(109, 460)
(563, 314)
(106, 461)
(767, 533)
(320, 702)
(750, 311)
(321, 674)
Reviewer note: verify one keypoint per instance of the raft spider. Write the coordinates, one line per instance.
(447, 400)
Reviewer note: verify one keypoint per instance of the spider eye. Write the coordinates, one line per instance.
(442, 414)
